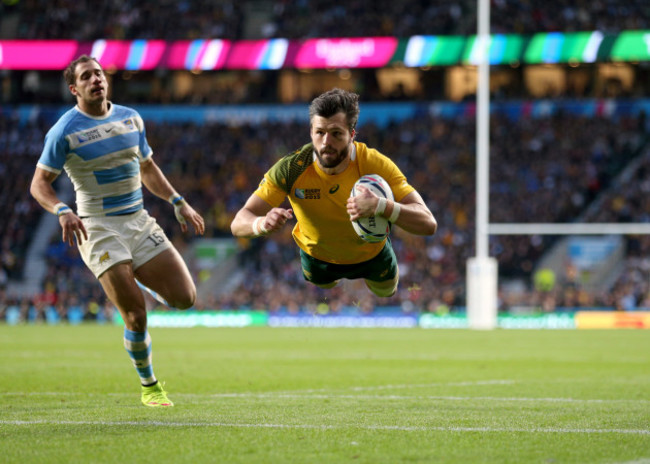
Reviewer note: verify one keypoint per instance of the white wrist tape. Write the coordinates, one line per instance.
(395, 214)
(178, 201)
(258, 226)
(61, 208)
(175, 198)
(381, 206)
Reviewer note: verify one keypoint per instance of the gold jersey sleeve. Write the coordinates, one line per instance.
(323, 228)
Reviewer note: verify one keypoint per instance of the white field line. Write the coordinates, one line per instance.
(412, 385)
(329, 393)
(636, 461)
(560, 430)
(304, 391)
(321, 396)
(410, 397)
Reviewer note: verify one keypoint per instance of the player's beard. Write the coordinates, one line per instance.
(332, 161)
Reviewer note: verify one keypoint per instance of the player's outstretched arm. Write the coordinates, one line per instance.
(157, 183)
(43, 192)
(257, 218)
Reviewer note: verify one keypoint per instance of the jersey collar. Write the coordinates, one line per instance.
(108, 113)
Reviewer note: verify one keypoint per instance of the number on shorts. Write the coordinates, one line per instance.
(156, 238)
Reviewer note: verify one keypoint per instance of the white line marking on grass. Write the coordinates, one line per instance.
(424, 385)
(310, 390)
(398, 428)
(319, 396)
(332, 396)
(409, 397)
(386, 387)
(636, 461)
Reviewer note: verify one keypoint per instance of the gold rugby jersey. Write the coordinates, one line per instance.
(323, 229)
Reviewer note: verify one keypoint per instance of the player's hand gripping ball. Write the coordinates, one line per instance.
(373, 229)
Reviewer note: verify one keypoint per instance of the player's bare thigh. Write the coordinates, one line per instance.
(119, 284)
(167, 275)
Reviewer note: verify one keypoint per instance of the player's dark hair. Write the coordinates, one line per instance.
(69, 71)
(335, 101)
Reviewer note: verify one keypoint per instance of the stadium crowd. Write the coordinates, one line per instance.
(19, 149)
(543, 169)
(297, 19)
(629, 202)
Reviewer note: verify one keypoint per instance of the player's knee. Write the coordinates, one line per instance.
(185, 304)
(384, 293)
(184, 301)
(382, 289)
(135, 320)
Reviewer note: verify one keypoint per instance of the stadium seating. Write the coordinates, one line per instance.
(191, 19)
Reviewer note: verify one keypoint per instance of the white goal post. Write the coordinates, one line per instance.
(482, 271)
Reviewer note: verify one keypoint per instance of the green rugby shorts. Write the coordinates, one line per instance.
(380, 268)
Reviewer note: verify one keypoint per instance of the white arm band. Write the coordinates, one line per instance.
(258, 226)
(177, 201)
(395, 214)
(381, 206)
(175, 198)
(61, 208)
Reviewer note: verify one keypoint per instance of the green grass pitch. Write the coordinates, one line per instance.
(263, 395)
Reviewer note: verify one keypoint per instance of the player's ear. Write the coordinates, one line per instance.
(73, 89)
(352, 134)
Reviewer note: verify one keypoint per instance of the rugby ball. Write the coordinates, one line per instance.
(373, 229)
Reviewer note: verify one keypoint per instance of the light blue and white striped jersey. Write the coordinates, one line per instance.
(102, 157)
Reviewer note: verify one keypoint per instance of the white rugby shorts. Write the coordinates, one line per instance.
(112, 240)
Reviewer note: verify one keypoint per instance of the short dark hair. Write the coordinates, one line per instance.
(335, 101)
(69, 71)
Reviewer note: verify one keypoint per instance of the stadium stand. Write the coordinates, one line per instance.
(191, 19)
(19, 148)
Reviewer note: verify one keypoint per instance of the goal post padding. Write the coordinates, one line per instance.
(482, 275)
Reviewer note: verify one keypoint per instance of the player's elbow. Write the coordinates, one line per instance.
(34, 190)
(235, 229)
(238, 230)
(238, 226)
(431, 226)
(41, 185)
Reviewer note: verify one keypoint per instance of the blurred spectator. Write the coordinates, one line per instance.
(20, 146)
(229, 19)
